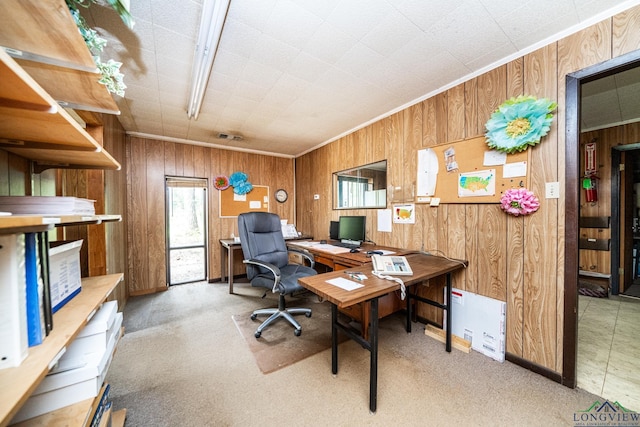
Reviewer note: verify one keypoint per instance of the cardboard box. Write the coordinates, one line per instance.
(65, 388)
(64, 272)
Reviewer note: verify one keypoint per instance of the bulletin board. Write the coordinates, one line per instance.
(232, 204)
(469, 157)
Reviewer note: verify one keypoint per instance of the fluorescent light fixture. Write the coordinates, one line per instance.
(214, 13)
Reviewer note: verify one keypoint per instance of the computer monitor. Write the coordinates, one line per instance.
(334, 227)
(352, 229)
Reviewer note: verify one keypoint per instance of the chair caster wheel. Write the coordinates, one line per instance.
(254, 316)
(257, 334)
(297, 332)
(308, 314)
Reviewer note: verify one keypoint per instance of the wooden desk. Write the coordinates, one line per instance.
(228, 246)
(424, 267)
(361, 312)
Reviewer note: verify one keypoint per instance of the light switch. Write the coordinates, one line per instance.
(552, 190)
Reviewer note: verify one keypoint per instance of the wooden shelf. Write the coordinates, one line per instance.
(32, 124)
(22, 223)
(44, 29)
(17, 384)
(58, 60)
(73, 88)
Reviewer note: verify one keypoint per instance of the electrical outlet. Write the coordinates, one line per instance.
(316, 197)
(552, 190)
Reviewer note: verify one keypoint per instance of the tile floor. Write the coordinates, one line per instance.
(609, 348)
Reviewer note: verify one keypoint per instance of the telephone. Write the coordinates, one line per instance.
(394, 265)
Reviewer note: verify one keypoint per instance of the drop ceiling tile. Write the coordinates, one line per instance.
(253, 14)
(264, 75)
(239, 38)
(329, 43)
(229, 65)
(174, 98)
(307, 67)
(300, 24)
(357, 17)
(359, 59)
(153, 127)
(181, 17)
(176, 45)
(425, 13)
(391, 34)
(136, 92)
(320, 8)
(273, 53)
(535, 31)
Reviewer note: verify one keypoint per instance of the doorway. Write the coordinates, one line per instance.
(574, 83)
(186, 219)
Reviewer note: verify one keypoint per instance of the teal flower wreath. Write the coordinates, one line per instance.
(519, 123)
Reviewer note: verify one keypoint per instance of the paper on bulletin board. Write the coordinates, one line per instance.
(427, 172)
(480, 183)
(513, 170)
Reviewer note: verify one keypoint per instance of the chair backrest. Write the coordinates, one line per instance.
(261, 238)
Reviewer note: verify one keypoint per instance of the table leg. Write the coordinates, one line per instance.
(334, 339)
(230, 268)
(448, 345)
(408, 298)
(223, 262)
(373, 374)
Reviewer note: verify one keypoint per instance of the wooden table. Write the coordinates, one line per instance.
(424, 267)
(337, 258)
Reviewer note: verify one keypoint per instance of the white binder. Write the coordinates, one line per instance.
(14, 344)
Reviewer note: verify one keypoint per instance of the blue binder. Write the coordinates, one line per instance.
(35, 321)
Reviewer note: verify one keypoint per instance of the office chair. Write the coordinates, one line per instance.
(267, 259)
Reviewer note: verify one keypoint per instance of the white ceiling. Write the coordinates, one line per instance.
(291, 75)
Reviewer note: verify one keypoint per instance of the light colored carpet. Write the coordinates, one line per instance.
(183, 363)
(278, 347)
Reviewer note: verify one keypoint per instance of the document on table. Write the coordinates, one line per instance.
(346, 284)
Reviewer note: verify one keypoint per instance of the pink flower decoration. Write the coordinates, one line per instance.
(221, 182)
(519, 201)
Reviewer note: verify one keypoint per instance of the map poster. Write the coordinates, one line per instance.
(479, 183)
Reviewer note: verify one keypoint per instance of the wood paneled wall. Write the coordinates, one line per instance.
(519, 260)
(605, 140)
(149, 161)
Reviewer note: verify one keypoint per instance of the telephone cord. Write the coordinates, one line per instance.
(403, 289)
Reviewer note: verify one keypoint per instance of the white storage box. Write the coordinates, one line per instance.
(95, 335)
(68, 387)
(64, 272)
(93, 338)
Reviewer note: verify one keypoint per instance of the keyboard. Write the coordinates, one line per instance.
(345, 245)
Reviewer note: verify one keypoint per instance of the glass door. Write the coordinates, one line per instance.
(186, 213)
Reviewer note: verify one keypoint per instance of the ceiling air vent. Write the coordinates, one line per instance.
(230, 137)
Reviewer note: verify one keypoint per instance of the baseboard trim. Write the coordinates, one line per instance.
(546, 372)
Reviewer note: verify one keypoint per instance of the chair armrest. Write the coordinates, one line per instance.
(275, 270)
(307, 255)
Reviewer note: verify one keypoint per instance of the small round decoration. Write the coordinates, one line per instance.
(281, 195)
(221, 182)
(519, 123)
(519, 201)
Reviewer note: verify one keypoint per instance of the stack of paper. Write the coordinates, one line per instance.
(46, 205)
